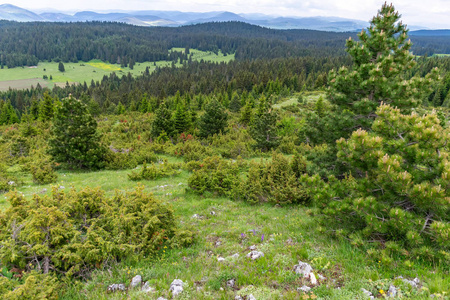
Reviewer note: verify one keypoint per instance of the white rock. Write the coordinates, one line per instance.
(236, 255)
(213, 213)
(322, 277)
(304, 289)
(392, 291)
(255, 255)
(116, 287)
(238, 297)
(252, 247)
(220, 259)
(367, 293)
(312, 278)
(136, 281)
(176, 287)
(251, 297)
(195, 216)
(161, 298)
(231, 283)
(303, 269)
(146, 288)
(413, 283)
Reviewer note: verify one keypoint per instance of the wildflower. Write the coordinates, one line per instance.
(382, 292)
(262, 238)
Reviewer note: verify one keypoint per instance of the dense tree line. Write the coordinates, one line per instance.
(24, 44)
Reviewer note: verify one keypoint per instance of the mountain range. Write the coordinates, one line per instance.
(177, 18)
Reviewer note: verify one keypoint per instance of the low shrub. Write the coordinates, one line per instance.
(75, 232)
(43, 173)
(192, 150)
(155, 171)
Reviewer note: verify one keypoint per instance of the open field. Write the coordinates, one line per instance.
(25, 77)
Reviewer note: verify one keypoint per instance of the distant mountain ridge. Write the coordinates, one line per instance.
(177, 18)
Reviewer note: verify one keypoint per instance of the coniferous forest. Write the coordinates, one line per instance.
(312, 165)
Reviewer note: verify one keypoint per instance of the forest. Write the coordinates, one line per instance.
(313, 166)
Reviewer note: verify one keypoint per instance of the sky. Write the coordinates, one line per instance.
(429, 13)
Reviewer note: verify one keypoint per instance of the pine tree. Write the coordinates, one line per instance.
(181, 119)
(61, 67)
(246, 114)
(120, 109)
(214, 120)
(381, 58)
(75, 140)
(235, 104)
(46, 108)
(163, 122)
(263, 127)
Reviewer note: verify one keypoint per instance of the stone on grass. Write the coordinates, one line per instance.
(312, 278)
(252, 247)
(213, 213)
(251, 297)
(146, 288)
(176, 287)
(392, 291)
(116, 287)
(220, 259)
(322, 277)
(231, 283)
(161, 298)
(304, 289)
(303, 269)
(413, 283)
(367, 293)
(136, 281)
(236, 255)
(255, 255)
(238, 297)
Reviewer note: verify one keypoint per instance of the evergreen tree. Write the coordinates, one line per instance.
(235, 104)
(246, 114)
(263, 127)
(381, 58)
(181, 119)
(214, 120)
(74, 136)
(120, 109)
(61, 67)
(46, 108)
(163, 122)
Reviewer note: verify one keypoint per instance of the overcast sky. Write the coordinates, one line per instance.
(431, 13)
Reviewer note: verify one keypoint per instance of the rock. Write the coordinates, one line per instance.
(252, 247)
(218, 243)
(321, 278)
(236, 255)
(303, 268)
(251, 297)
(146, 288)
(161, 298)
(176, 287)
(238, 298)
(136, 281)
(196, 216)
(304, 289)
(213, 213)
(413, 283)
(116, 287)
(367, 293)
(255, 255)
(11, 182)
(392, 291)
(312, 278)
(61, 187)
(220, 259)
(43, 191)
(231, 283)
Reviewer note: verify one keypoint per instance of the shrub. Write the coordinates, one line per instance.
(120, 161)
(43, 173)
(275, 182)
(192, 150)
(215, 175)
(155, 171)
(72, 233)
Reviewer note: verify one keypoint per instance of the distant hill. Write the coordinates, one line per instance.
(438, 32)
(14, 13)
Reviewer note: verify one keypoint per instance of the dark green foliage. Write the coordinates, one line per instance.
(61, 67)
(74, 232)
(163, 122)
(75, 141)
(31, 286)
(155, 171)
(8, 114)
(7, 181)
(263, 127)
(214, 175)
(192, 150)
(181, 119)
(214, 120)
(46, 108)
(276, 182)
(120, 161)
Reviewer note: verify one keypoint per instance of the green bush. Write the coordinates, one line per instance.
(72, 233)
(275, 181)
(34, 286)
(214, 175)
(192, 150)
(120, 161)
(155, 171)
(43, 173)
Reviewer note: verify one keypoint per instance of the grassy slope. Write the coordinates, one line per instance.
(95, 69)
(290, 234)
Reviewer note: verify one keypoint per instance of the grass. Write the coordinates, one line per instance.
(86, 71)
(307, 97)
(290, 235)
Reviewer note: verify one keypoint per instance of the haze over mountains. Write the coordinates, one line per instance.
(177, 18)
